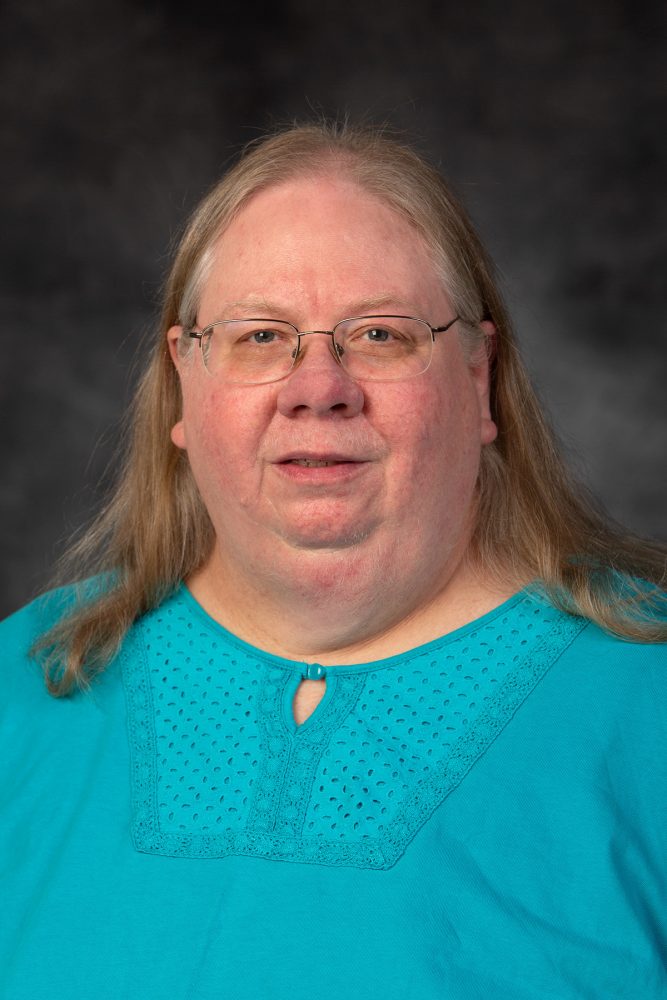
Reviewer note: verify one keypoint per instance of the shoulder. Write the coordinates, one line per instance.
(599, 680)
(614, 685)
(596, 649)
(21, 674)
(21, 630)
(38, 615)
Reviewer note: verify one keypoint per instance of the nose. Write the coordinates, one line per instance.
(318, 383)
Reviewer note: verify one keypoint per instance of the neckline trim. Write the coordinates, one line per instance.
(185, 597)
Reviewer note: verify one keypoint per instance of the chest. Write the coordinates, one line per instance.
(238, 753)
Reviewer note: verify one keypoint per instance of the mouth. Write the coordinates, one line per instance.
(323, 468)
(317, 459)
(316, 463)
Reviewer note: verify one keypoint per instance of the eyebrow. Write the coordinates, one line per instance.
(263, 309)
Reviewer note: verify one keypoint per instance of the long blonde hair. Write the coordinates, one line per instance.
(532, 523)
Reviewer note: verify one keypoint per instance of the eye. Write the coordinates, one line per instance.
(250, 335)
(383, 336)
(263, 337)
(378, 335)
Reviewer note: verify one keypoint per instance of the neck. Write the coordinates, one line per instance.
(342, 606)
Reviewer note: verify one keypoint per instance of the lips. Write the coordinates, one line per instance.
(312, 463)
(320, 469)
(318, 460)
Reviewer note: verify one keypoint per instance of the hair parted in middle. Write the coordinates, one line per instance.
(532, 522)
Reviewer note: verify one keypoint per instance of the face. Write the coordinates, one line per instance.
(319, 473)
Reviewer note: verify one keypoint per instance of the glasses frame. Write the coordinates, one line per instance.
(336, 350)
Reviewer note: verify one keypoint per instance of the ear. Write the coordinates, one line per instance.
(174, 340)
(480, 368)
(177, 435)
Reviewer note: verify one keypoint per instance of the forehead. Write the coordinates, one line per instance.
(321, 245)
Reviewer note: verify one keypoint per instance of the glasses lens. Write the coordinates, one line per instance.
(384, 348)
(249, 351)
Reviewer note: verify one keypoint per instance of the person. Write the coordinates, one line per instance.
(356, 694)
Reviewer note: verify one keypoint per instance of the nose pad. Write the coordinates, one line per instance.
(335, 349)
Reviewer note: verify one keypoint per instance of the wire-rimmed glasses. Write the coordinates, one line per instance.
(369, 348)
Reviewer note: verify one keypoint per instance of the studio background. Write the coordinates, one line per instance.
(548, 118)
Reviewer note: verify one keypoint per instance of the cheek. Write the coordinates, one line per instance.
(221, 438)
(438, 443)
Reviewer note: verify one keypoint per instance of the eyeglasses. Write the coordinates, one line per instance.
(372, 348)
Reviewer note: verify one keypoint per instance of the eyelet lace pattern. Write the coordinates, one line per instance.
(219, 768)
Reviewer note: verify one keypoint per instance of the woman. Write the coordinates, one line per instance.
(361, 695)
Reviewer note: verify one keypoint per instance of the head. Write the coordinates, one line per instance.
(380, 169)
(530, 521)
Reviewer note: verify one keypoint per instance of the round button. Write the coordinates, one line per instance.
(314, 672)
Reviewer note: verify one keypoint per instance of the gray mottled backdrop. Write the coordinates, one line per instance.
(117, 116)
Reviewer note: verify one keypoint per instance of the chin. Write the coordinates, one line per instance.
(328, 527)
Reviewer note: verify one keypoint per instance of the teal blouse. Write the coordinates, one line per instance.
(482, 817)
